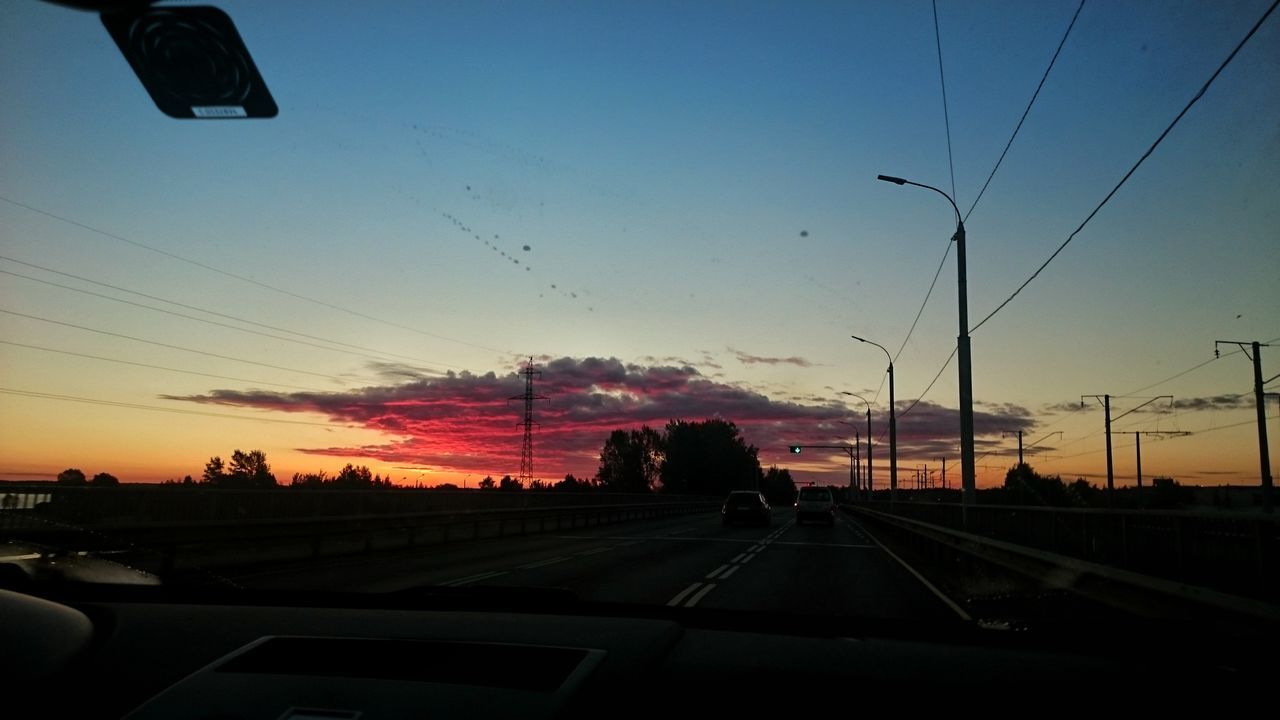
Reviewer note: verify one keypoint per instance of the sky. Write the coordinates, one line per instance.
(672, 208)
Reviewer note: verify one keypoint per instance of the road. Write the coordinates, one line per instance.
(688, 561)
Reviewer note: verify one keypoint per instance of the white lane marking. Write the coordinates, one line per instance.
(544, 563)
(747, 559)
(701, 594)
(594, 552)
(739, 557)
(948, 601)
(474, 578)
(755, 548)
(797, 543)
(685, 593)
(712, 575)
(29, 556)
(729, 572)
(640, 539)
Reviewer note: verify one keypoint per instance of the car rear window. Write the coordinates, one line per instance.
(815, 494)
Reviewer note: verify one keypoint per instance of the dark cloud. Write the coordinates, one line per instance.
(468, 422)
(748, 359)
(1211, 402)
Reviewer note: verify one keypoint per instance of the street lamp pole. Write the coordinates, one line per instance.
(967, 472)
(870, 486)
(893, 426)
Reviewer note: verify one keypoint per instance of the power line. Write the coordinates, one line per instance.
(1189, 434)
(154, 408)
(250, 281)
(1009, 144)
(1135, 167)
(158, 367)
(191, 317)
(1034, 95)
(214, 312)
(172, 347)
(920, 312)
(942, 369)
(946, 116)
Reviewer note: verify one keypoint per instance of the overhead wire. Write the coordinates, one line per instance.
(154, 408)
(947, 250)
(207, 321)
(171, 346)
(1135, 166)
(1027, 110)
(248, 280)
(159, 367)
(216, 313)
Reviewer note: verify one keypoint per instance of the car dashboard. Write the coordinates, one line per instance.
(115, 652)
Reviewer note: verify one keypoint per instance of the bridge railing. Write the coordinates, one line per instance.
(139, 505)
(1231, 552)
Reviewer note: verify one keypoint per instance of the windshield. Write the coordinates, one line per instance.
(813, 494)
(367, 297)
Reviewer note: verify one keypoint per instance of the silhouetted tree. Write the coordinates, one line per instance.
(104, 479)
(778, 487)
(309, 480)
(249, 470)
(1085, 495)
(708, 458)
(487, 483)
(351, 476)
(1024, 486)
(214, 471)
(572, 484)
(631, 461)
(71, 476)
(446, 486)
(509, 483)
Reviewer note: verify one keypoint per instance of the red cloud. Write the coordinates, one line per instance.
(469, 423)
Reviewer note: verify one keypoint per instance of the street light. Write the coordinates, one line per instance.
(854, 460)
(968, 480)
(870, 485)
(893, 425)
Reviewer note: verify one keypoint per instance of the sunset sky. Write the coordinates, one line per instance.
(671, 207)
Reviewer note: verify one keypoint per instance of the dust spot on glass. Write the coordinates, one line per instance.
(553, 286)
(804, 233)
(527, 248)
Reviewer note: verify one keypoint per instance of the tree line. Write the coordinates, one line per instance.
(708, 457)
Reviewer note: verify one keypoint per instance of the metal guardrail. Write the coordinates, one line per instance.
(134, 505)
(1230, 552)
(166, 548)
(1143, 595)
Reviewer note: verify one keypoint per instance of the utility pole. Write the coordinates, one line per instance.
(1111, 476)
(1006, 433)
(943, 460)
(1259, 397)
(1137, 444)
(526, 449)
(1106, 405)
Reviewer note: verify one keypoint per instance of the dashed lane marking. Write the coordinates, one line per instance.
(474, 578)
(712, 575)
(680, 596)
(700, 594)
(544, 563)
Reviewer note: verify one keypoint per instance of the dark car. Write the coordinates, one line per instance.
(746, 506)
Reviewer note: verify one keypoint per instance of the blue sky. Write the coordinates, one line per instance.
(696, 180)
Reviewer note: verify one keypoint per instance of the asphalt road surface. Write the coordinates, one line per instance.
(688, 561)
